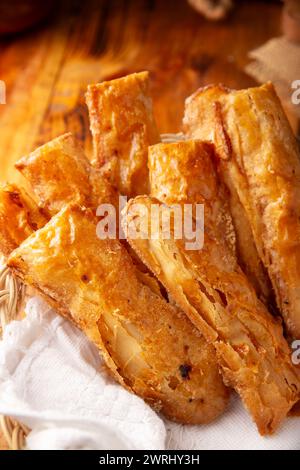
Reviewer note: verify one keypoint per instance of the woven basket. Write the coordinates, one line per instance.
(12, 294)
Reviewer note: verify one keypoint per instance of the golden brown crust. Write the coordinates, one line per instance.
(184, 172)
(200, 123)
(151, 347)
(123, 127)
(262, 164)
(60, 173)
(19, 217)
(254, 357)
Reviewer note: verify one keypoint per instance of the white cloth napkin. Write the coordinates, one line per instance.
(53, 380)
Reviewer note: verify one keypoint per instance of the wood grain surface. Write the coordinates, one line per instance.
(47, 70)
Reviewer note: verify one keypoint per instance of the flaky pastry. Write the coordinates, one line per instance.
(59, 173)
(150, 346)
(209, 285)
(259, 160)
(123, 126)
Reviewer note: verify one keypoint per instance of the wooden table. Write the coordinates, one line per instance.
(46, 71)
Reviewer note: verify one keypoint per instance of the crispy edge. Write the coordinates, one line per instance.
(123, 126)
(59, 173)
(184, 173)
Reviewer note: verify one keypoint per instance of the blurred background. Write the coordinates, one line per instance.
(51, 50)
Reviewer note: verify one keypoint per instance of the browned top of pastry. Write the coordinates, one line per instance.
(59, 173)
(123, 127)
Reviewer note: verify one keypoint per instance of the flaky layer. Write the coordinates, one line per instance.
(151, 347)
(260, 163)
(184, 172)
(59, 173)
(20, 216)
(123, 127)
(200, 123)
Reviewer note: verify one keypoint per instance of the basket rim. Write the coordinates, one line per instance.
(12, 293)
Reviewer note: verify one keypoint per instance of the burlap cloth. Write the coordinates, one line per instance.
(278, 61)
